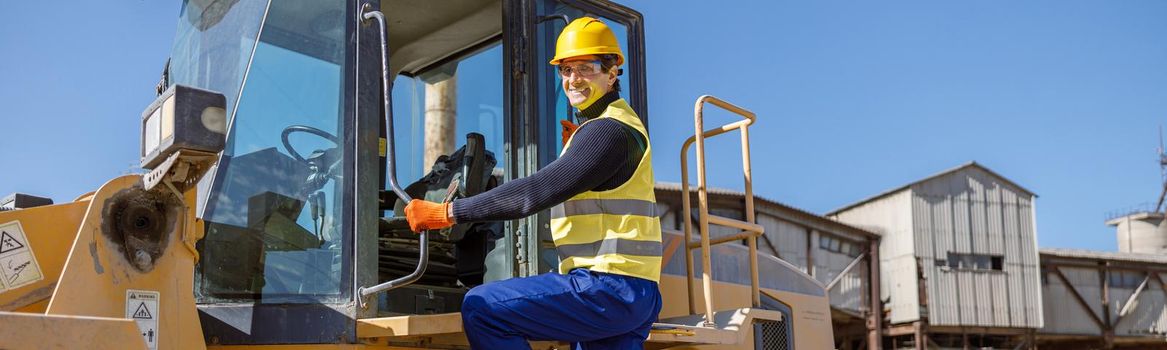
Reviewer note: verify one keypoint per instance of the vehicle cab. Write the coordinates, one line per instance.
(300, 214)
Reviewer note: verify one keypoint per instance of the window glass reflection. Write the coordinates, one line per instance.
(211, 48)
(274, 218)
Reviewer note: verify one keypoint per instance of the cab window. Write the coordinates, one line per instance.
(275, 226)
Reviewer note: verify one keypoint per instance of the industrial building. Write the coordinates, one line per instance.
(959, 260)
(1109, 300)
(956, 264)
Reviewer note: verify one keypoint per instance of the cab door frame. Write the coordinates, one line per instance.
(524, 145)
(371, 143)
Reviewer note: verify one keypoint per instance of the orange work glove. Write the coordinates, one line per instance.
(568, 129)
(426, 215)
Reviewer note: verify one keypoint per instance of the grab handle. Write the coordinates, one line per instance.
(423, 237)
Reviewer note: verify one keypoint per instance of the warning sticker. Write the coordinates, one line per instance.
(8, 243)
(18, 266)
(142, 307)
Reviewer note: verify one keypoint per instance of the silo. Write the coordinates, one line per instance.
(1141, 232)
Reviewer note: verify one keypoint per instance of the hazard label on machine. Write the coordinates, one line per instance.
(18, 266)
(142, 307)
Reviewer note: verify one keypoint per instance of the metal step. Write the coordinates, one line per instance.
(671, 334)
(729, 328)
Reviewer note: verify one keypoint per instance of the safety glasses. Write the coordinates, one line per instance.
(582, 68)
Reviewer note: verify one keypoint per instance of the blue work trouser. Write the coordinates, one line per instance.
(592, 310)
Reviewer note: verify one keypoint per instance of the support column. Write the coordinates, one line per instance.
(921, 332)
(441, 101)
(812, 238)
(920, 339)
(1108, 330)
(875, 303)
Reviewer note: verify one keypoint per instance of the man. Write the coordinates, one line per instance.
(608, 238)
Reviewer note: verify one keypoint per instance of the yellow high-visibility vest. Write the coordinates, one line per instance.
(613, 231)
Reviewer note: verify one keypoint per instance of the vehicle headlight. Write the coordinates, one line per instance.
(183, 117)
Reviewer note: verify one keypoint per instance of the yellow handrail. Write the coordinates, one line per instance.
(751, 229)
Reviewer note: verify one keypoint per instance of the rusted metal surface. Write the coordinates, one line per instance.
(137, 223)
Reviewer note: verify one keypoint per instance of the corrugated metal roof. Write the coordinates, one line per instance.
(942, 173)
(1101, 255)
(676, 187)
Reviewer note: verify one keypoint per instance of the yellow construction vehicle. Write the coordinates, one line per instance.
(270, 213)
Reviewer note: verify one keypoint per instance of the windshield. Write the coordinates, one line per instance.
(275, 218)
(213, 44)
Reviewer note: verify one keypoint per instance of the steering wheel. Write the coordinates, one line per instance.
(305, 129)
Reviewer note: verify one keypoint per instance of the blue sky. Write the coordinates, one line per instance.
(854, 98)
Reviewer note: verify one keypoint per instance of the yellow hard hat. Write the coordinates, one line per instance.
(586, 36)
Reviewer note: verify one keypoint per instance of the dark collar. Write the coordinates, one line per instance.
(597, 107)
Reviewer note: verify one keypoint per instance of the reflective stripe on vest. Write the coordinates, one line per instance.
(610, 246)
(617, 230)
(604, 206)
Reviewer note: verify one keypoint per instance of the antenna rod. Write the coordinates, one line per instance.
(1162, 171)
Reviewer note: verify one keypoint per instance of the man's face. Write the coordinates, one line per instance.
(584, 81)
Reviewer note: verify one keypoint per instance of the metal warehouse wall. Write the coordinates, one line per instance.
(971, 211)
(1098, 293)
(794, 242)
(1147, 316)
(1062, 313)
(790, 240)
(891, 217)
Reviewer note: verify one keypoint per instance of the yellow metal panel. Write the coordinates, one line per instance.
(315, 347)
(288, 347)
(441, 331)
(37, 307)
(50, 231)
(36, 331)
(412, 325)
(809, 314)
(96, 275)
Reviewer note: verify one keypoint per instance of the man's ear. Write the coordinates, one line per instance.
(612, 76)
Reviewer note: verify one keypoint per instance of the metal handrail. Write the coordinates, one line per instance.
(391, 159)
(751, 230)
